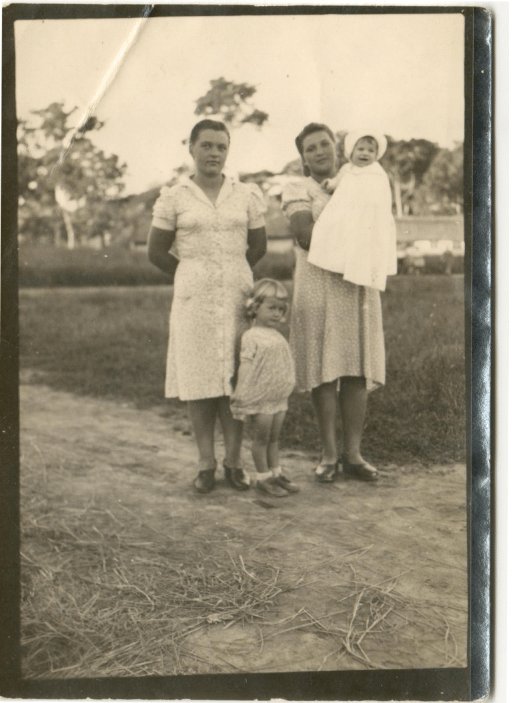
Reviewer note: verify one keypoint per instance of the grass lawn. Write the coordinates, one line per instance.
(43, 266)
(112, 342)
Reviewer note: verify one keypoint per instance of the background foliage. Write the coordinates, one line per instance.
(70, 191)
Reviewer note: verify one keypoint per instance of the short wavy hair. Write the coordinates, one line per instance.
(310, 128)
(265, 288)
(216, 125)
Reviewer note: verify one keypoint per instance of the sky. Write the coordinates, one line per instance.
(401, 74)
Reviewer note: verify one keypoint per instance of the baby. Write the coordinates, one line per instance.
(355, 234)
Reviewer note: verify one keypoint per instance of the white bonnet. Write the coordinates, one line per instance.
(353, 137)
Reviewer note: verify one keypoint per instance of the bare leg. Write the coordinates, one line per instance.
(353, 398)
(233, 431)
(273, 441)
(262, 426)
(325, 404)
(202, 414)
(262, 433)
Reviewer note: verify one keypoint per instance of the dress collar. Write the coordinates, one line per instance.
(225, 190)
(372, 168)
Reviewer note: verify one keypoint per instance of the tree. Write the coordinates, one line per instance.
(340, 147)
(406, 163)
(63, 178)
(232, 102)
(444, 180)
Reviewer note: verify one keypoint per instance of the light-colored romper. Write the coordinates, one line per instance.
(271, 376)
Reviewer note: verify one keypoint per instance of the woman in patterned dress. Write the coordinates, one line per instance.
(336, 332)
(207, 233)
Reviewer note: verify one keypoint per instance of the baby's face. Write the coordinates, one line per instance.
(365, 152)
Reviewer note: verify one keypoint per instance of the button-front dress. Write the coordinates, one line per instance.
(211, 282)
(336, 326)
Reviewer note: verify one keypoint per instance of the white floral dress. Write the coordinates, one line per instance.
(271, 377)
(336, 326)
(211, 280)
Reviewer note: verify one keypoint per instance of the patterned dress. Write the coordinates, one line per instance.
(271, 377)
(336, 326)
(211, 280)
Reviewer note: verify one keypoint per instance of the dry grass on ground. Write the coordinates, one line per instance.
(106, 592)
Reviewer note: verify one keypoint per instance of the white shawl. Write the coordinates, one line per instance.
(355, 233)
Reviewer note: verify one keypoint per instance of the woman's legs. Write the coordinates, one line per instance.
(202, 415)
(233, 431)
(353, 398)
(325, 404)
(273, 440)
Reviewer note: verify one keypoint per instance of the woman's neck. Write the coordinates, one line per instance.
(209, 183)
(320, 177)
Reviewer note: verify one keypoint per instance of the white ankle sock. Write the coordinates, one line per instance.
(264, 475)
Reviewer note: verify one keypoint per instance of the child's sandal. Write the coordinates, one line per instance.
(283, 481)
(271, 488)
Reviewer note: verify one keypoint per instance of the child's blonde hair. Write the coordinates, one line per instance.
(265, 288)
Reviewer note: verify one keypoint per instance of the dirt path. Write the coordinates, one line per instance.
(397, 548)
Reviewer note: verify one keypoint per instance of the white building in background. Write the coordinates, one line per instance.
(432, 247)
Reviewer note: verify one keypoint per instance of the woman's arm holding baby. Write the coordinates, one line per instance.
(301, 225)
(330, 184)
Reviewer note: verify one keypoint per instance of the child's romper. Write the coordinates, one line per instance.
(271, 378)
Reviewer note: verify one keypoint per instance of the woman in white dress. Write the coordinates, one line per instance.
(207, 233)
(336, 332)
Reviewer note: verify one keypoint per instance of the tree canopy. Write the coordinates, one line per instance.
(232, 102)
(444, 180)
(64, 179)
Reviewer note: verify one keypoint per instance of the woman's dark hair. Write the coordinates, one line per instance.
(310, 129)
(207, 124)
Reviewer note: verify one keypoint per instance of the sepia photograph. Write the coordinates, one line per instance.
(243, 433)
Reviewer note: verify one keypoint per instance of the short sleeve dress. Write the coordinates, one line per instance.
(271, 377)
(336, 326)
(211, 280)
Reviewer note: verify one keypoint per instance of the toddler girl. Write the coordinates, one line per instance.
(355, 233)
(266, 377)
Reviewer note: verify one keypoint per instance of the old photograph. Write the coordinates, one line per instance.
(243, 371)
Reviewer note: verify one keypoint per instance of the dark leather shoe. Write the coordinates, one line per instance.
(237, 478)
(204, 482)
(326, 473)
(361, 472)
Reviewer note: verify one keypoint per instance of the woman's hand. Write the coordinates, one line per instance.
(329, 185)
(160, 242)
(257, 245)
(301, 225)
(243, 372)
